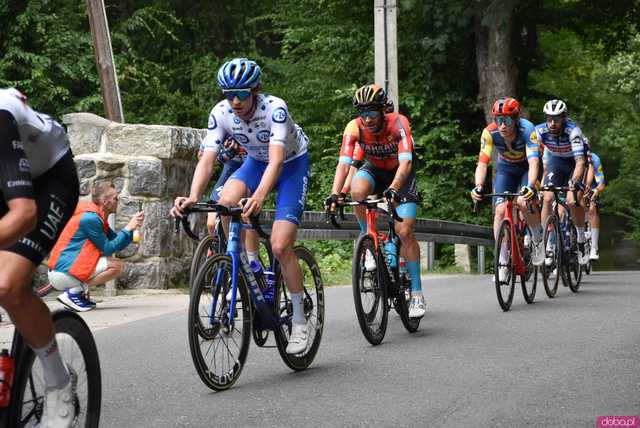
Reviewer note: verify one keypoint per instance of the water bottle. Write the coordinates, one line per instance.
(391, 252)
(6, 377)
(256, 268)
(269, 291)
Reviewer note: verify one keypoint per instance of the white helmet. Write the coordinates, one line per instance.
(555, 107)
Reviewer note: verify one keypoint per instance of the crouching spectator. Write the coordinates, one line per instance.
(81, 258)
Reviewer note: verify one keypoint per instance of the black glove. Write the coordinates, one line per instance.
(575, 186)
(391, 195)
(477, 193)
(330, 200)
(528, 192)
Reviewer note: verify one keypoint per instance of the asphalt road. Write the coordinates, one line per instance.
(559, 362)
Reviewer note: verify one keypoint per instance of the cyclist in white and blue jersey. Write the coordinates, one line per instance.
(276, 158)
(565, 165)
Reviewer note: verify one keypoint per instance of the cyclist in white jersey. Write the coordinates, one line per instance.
(276, 158)
(38, 193)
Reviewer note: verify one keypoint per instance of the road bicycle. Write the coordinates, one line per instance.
(78, 350)
(211, 245)
(517, 252)
(561, 246)
(227, 304)
(377, 290)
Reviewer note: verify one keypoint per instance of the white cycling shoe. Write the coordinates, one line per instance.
(298, 339)
(59, 409)
(503, 274)
(417, 307)
(369, 262)
(537, 253)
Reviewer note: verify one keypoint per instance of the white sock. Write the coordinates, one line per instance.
(55, 373)
(297, 301)
(537, 233)
(252, 256)
(595, 234)
(580, 235)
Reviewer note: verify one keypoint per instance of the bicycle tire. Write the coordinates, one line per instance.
(550, 231)
(374, 333)
(314, 311)
(214, 278)
(528, 281)
(27, 395)
(504, 239)
(199, 256)
(402, 302)
(566, 254)
(575, 268)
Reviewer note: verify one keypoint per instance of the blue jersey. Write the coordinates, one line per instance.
(569, 144)
(522, 148)
(598, 172)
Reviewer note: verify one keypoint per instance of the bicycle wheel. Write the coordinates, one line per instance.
(78, 351)
(575, 268)
(218, 347)
(587, 245)
(553, 247)
(369, 292)
(199, 256)
(567, 254)
(402, 302)
(506, 287)
(313, 310)
(529, 280)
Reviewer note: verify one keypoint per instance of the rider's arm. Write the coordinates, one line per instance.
(343, 169)
(92, 226)
(533, 156)
(590, 176)
(15, 184)
(486, 149)
(272, 172)
(598, 172)
(577, 147)
(405, 152)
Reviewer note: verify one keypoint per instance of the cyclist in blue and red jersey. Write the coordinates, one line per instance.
(276, 158)
(517, 169)
(380, 147)
(595, 182)
(566, 165)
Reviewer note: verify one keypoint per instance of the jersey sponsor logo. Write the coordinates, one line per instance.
(53, 220)
(236, 120)
(279, 115)
(212, 123)
(32, 244)
(18, 183)
(483, 143)
(263, 136)
(241, 138)
(17, 145)
(24, 165)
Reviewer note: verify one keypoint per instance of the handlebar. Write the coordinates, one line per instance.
(211, 207)
(368, 204)
(506, 195)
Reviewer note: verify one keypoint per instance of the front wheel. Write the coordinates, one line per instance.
(313, 311)
(505, 278)
(79, 353)
(218, 344)
(529, 280)
(369, 292)
(575, 268)
(553, 247)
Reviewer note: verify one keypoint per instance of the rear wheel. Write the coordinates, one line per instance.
(369, 293)
(219, 346)
(575, 267)
(402, 302)
(79, 353)
(504, 263)
(313, 310)
(529, 280)
(552, 246)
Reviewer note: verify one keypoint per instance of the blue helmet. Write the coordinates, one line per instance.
(239, 73)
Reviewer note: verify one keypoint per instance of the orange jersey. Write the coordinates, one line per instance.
(384, 149)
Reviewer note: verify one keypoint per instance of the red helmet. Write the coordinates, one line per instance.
(506, 107)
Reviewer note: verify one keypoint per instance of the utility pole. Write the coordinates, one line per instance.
(386, 47)
(104, 60)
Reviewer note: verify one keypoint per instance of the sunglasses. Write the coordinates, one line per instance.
(242, 94)
(556, 119)
(507, 120)
(373, 114)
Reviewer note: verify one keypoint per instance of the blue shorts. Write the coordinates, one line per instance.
(229, 168)
(510, 178)
(292, 185)
(559, 171)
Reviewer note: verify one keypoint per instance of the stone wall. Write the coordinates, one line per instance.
(150, 165)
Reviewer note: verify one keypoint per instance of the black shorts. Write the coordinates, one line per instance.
(56, 194)
(381, 179)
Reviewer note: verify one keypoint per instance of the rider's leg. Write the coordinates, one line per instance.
(233, 191)
(30, 315)
(251, 243)
(410, 248)
(211, 223)
(577, 214)
(362, 186)
(594, 220)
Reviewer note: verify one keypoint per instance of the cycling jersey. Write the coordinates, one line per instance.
(42, 139)
(270, 124)
(598, 172)
(384, 149)
(522, 148)
(569, 144)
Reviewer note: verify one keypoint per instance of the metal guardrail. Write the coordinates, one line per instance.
(314, 227)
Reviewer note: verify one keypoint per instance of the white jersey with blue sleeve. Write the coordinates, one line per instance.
(569, 144)
(270, 124)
